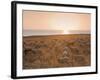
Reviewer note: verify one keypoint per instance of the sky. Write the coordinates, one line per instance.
(42, 20)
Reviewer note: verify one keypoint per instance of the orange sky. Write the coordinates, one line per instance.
(35, 20)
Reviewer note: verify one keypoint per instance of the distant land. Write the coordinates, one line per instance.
(52, 32)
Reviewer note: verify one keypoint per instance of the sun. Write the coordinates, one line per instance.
(65, 32)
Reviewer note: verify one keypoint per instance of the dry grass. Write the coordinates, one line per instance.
(56, 51)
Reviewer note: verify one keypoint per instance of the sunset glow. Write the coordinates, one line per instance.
(37, 20)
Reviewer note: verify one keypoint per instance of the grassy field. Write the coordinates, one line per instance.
(71, 50)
